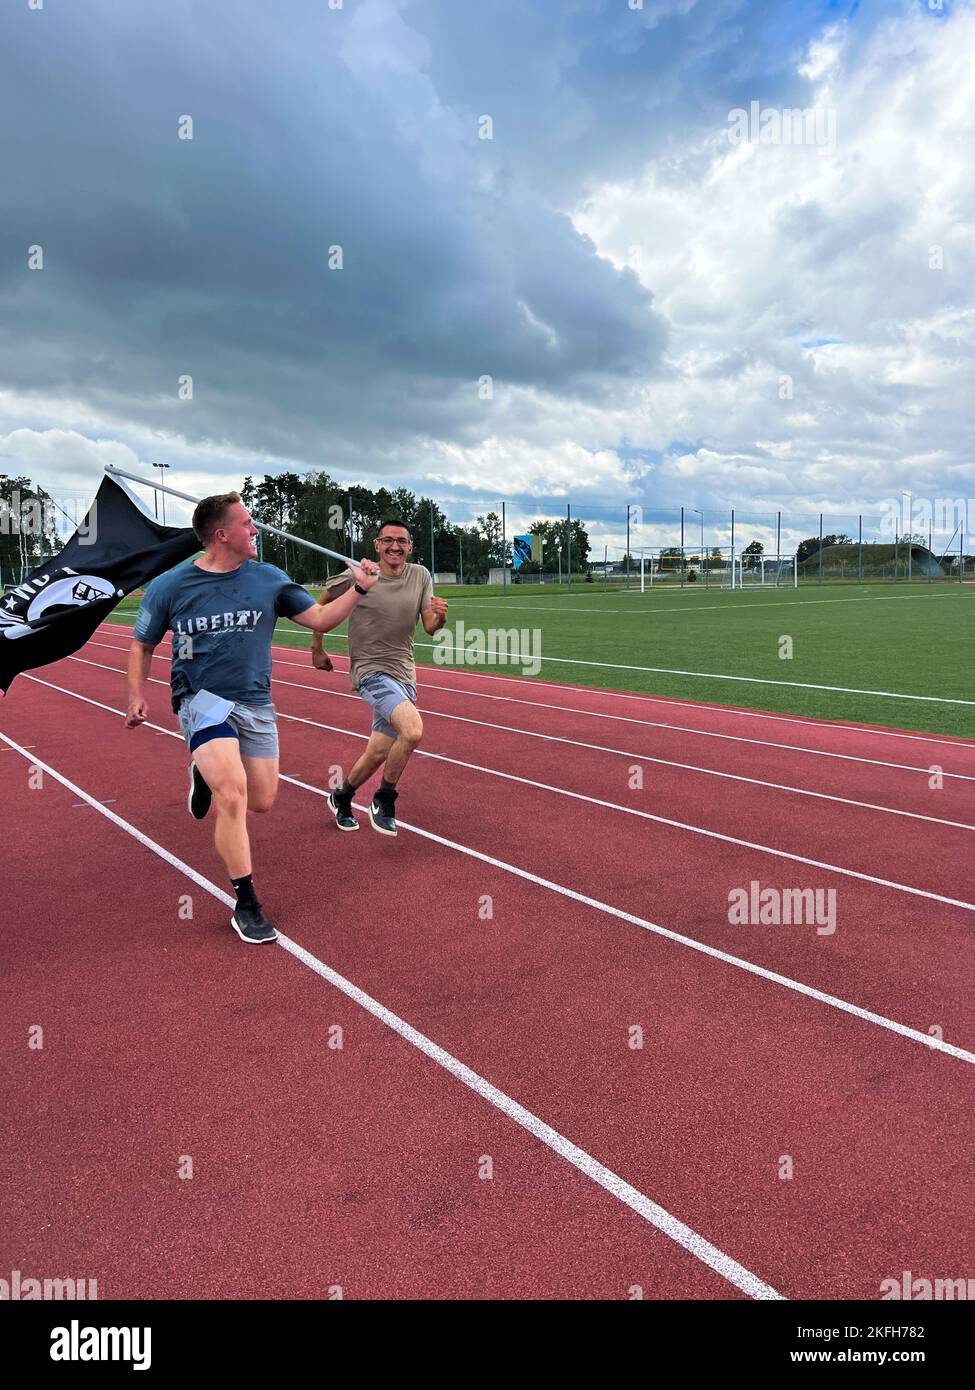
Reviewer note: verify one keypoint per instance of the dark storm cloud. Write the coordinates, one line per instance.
(311, 128)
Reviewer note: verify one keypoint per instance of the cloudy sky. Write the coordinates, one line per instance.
(539, 192)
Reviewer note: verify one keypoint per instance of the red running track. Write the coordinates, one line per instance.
(310, 1175)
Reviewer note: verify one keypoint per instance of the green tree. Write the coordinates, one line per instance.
(808, 548)
(752, 555)
(498, 551)
(28, 527)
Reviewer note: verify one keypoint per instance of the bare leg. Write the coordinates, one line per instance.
(220, 764)
(406, 720)
(373, 755)
(262, 782)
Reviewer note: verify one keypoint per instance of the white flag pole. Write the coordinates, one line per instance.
(261, 526)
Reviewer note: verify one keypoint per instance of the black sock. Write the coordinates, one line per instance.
(244, 888)
(387, 788)
(346, 789)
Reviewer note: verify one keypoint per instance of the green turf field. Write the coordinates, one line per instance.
(905, 640)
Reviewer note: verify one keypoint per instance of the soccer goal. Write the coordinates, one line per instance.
(768, 572)
(668, 567)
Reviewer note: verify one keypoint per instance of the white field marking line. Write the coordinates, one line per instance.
(590, 690)
(730, 607)
(627, 810)
(602, 748)
(647, 723)
(657, 1216)
(748, 680)
(865, 1015)
(965, 746)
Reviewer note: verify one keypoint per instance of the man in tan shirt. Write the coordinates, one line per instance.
(382, 669)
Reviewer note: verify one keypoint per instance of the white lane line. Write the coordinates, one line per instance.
(657, 724)
(675, 824)
(640, 757)
(559, 738)
(623, 753)
(865, 1015)
(593, 747)
(595, 692)
(623, 1191)
(630, 810)
(638, 1202)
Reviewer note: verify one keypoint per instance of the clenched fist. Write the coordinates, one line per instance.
(138, 713)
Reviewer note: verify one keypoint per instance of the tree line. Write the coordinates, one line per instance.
(317, 508)
(347, 519)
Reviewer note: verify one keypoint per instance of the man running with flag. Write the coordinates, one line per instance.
(382, 669)
(222, 611)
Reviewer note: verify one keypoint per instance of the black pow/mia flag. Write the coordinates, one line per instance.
(56, 609)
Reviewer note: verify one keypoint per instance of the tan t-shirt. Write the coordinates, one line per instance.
(382, 624)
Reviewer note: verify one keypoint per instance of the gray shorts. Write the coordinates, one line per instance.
(204, 716)
(384, 694)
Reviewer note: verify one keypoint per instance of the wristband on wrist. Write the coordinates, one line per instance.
(359, 589)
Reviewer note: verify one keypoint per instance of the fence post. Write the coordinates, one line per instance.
(504, 548)
(860, 548)
(778, 546)
(568, 540)
(820, 547)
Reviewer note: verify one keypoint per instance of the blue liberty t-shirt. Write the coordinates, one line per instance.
(222, 626)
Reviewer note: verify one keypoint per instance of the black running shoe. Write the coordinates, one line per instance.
(341, 808)
(198, 801)
(250, 924)
(382, 813)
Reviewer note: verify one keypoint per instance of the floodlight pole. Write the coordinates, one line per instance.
(163, 490)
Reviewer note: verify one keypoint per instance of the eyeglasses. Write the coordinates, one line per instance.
(383, 541)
